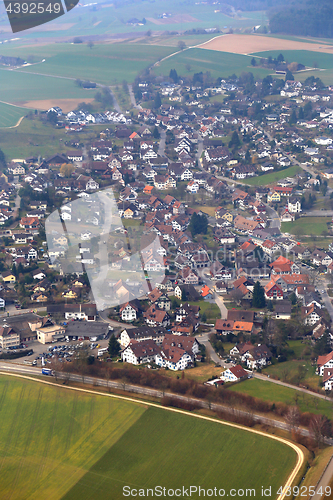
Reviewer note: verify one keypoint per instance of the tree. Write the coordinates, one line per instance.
(157, 101)
(113, 347)
(173, 75)
(67, 169)
(156, 133)
(258, 297)
(280, 58)
(52, 117)
(90, 44)
(253, 61)
(181, 45)
(319, 428)
(293, 117)
(292, 418)
(235, 142)
(289, 76)
(198, 224)
(3, 162)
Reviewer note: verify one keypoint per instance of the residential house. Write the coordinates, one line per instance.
(234, 374)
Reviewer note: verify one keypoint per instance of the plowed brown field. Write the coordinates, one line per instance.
(249, 44)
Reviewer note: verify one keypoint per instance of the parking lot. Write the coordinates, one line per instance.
(65, 351)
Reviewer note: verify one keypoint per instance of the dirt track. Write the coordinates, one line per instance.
(249, 44)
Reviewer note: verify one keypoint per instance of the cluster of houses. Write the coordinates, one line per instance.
(175, 352)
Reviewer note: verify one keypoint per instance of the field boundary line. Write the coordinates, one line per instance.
(297, 449)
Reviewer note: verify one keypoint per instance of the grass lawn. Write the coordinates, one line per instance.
(298, 348)
(262, 180)
(211, 310)
(306, 226)
(174, 450)
(50, 437)
(269, 391)
(207, 210)
(288, 371)
(200, 373)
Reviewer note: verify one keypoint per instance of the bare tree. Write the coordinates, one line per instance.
(319, 428)
(285, 372)
(292, 418)
(236, 295)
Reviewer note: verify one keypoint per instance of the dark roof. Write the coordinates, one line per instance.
(283, 306)
(87, 328)
(240, 315)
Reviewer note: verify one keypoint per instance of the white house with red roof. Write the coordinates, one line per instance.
(137, 353)
(128, 312)
(234, 374)
(325, 361)
(328, 379)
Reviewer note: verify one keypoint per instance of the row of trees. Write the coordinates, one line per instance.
(318, 425)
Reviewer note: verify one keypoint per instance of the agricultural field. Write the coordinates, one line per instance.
(60, 444)
(306, 226)
(263, 180)
(306, 57)
(269, 391)
(64, 63)
(33, 138)
(110, 19)
(261, 45)
(219, 64)
(17, 87)
(322, 61)
(146, 459)
(50, 437)
(10, 115)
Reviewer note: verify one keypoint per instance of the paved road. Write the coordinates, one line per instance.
(322, 287)
(132, 97)
(200, 148)
(161, 146)
(203, 338)
(27, 370)
(324, 481)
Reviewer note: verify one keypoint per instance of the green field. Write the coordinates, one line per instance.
(17, 87)
(269, 391)
(110, 18)
(50, 437)
(306, 57)
(10, 115)
(194, 453)
(105, 64)
(60, 444)
(262, 180)
(310, 59)
(219, 64)
(288, 371)
(33, 138)
(306, 226)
